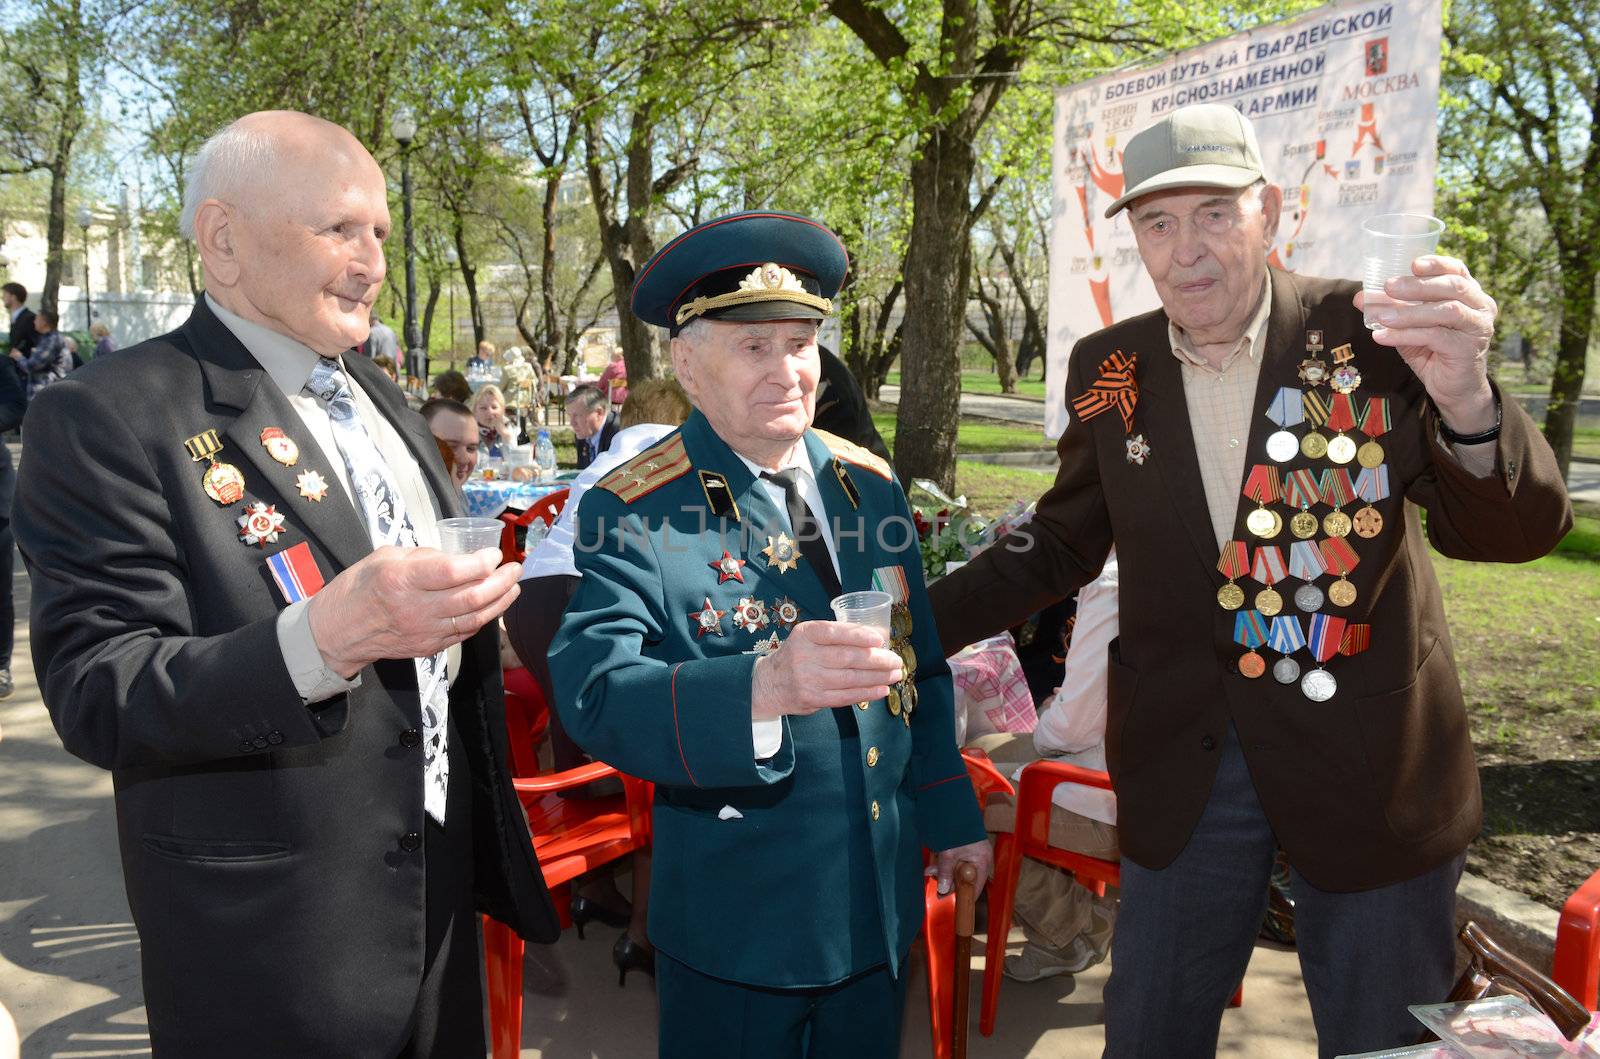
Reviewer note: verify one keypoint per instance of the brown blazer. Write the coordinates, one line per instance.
(1372, 787)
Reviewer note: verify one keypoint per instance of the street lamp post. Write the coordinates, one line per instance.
(85, 218)
(454, 258)
(404, 129)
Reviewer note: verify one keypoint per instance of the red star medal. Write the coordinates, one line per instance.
(728, 568)
(260, 525)
(707, 619)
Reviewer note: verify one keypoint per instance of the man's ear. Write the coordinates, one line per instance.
(683, 364)
(1272, 207)
(216, 236)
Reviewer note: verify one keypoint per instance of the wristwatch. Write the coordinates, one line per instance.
(1474, 439)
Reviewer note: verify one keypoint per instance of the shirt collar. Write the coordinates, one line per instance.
(798, 460)
(1250, 342)
(16, 313)
(288, 362)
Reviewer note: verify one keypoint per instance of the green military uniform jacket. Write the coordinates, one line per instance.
(801, 869)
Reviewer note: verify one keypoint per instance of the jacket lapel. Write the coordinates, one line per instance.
(238, 383)
(855, 560)
(1163, 416)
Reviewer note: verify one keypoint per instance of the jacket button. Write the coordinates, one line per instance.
(410, 841)
(872, 757)
(259, 742)
(1233, 665)
(1208, 743)
(874, 810)
(274, 738)
(410, 738)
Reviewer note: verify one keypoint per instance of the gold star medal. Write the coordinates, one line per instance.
(280, 446)
(781, 553)
(312, 485)
(222, 482)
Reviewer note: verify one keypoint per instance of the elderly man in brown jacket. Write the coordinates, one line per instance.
(1284, 674)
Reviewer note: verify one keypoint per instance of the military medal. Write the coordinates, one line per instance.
(1250, 630)
(1286, 410)
(1305, 562)
(260, 525)
(1340, 557)
(1286, 637)
(785, 613)
(280, 446)
(728, 568)
(1345, 378)
(1314, 445)
(900, 621)
(1355, 640)
(767, 646)
(894, 700)
(1374, 424)
(1300, 490)
(1313, 372)
(222, 481)
(1264, 486)
(1372, 485)
(1117, 387)
(707, 619)
(1341, 417)
(312, 485)
(1269, 571)
(1234, 563)
(1323, 638)
(781, 553)
(750, 614)
(1337, 491)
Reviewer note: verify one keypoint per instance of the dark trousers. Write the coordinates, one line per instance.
(1185, 934)
(447, 1022)
(707, 1018)
(8, 606)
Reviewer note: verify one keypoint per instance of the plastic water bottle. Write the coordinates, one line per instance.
(544, 453)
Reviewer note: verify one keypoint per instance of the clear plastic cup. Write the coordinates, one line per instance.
(463, 536)
(1390, 243)
(864, 608)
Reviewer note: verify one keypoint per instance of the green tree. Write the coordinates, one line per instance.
(1521, 129)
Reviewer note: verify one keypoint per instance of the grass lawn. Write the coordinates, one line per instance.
(975, 435)
(986, 382)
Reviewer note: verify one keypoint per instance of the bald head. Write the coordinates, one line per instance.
(290, 213)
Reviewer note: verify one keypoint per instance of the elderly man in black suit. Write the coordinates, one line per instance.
(239, 610)
(593, 424)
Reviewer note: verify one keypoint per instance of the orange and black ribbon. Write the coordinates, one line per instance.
(1115, 388)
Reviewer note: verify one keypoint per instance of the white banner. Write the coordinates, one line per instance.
(1345, 104)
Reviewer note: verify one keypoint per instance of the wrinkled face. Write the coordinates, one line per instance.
(489, 409)
(756, 383)
(306, 244)
(585, 423)
(1206, 251)
(460, 434)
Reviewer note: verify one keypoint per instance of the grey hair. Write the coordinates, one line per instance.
(223, 161)
(695, 331)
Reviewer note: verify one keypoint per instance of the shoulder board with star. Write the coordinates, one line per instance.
(653, 468)
(850, 452)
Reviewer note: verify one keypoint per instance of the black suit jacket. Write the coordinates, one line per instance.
(279, 912)
(22, 333)
(588, 450)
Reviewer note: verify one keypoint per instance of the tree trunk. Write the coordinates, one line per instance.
(428, 308)
(71, 119)
(469, 279)
(619, 240)
(1032, 343)
(1566, 381)
(938, 261)
(55, 239)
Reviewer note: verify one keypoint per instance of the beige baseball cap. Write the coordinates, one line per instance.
(1209, 145)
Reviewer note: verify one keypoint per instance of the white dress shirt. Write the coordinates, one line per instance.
(1072, 726)
(768, 735)
(289, 364)
(552, 556)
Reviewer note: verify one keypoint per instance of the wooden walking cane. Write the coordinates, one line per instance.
(966, 902)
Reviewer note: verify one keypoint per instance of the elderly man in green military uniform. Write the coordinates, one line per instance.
(801, 764)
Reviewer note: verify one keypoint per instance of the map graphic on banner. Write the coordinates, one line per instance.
(1344, 101)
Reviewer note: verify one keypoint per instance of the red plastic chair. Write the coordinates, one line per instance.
(570, 837)
(939, 919)
(527, 720)
(1031, 838)
(546, 508)
(1577, 960)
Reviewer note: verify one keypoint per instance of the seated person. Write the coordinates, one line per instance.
(593, 425)
(456, 433)
(496, 432)
(452, 384)
(614, 379)
(1068, 928)
(483, 361)
(654, 409)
